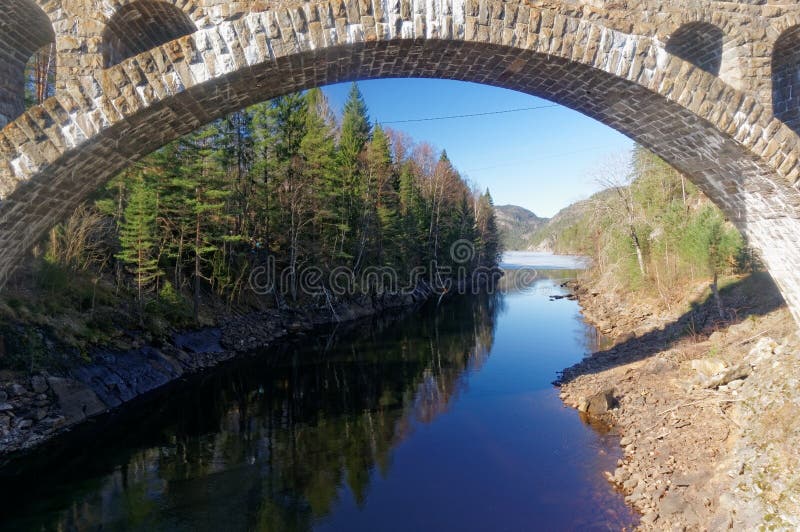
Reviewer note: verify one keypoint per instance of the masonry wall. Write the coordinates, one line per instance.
(610, 61)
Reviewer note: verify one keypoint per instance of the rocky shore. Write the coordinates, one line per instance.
(705, 407)
(36, 408)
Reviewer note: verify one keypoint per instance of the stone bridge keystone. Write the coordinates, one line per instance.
(712, 87)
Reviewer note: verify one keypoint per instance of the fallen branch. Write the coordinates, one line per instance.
(717, 399)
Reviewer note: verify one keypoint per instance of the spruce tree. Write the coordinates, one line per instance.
(318, 151)
(353, 137)
(137, 239)
(381, 169)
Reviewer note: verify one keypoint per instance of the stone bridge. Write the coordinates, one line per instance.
(712, 87)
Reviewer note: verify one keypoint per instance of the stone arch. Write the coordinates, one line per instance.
(56, 154)
(786, 78)
(24, 30)
(699, 43)
(140, 26)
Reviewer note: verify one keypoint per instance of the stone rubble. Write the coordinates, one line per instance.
(708, 425)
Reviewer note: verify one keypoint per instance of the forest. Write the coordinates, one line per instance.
(649, 231)
(289, 187)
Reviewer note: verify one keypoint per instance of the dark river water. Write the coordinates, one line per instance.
(440, 420)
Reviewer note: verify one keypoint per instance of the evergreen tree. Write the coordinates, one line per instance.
(203, 182)
(137, 239)
(489, 248)
(353, 137)
(387, 202)
(318, 150)
(273, 182)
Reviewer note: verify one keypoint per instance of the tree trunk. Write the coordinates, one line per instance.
(639, 255)
(197, 241)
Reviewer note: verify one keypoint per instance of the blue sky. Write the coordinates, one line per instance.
(540, 159)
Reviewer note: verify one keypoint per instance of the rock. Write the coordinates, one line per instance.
(659, 365)
(740, 371)
(3, 396)
(631, 483)
(39, 384)
(18, 389)
(583, 405)
(5, 407)
(202, 341)
(601, 402)
(708, 366)
(621, 474)
(25, 424)
(736, 384)
(763, 350)
(77, 401)
(672, 503)
(695, 478)
(649, 518)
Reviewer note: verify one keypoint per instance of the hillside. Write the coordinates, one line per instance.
(567, 232)
(517, 226)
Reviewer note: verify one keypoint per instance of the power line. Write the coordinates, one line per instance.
(544, 158)
(451, 117)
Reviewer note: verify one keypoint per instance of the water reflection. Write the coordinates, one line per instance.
(397, 425)
(269, 443)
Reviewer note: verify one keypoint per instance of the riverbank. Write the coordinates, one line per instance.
(705, 407)
(36, 408)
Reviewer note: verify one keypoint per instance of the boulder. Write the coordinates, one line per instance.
(708, 366)
(77, 401)
(601, 402)
(672, 503)
(39, 384)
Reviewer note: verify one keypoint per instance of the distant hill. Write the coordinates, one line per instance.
(568, 232)
(517, 226)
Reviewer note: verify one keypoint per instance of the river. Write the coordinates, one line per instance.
(444, 419)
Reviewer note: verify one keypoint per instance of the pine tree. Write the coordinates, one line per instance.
(202, 180)
(488, 239)
(137, 239)
(381, 169)
(353, 137)
(318, 151)
(356, 129)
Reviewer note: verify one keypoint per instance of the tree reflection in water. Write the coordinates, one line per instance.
(271, 442)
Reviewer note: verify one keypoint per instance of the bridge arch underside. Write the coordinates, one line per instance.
(763, 204)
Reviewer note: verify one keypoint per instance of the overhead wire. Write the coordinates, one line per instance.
(487, 113)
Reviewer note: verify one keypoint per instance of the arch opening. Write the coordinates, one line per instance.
(745, 187)
(141, 26)
(699, 43)
(786, 78)
(27, 57)
(40, 75)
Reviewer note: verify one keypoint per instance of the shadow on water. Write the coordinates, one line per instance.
(753, 295)
(265, 443)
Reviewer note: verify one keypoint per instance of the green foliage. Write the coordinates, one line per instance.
(681, 234)
(278, 183)
(137, 236)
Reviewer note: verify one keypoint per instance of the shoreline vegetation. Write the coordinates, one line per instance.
(699, 373)
(276, 219)
(281, 205)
